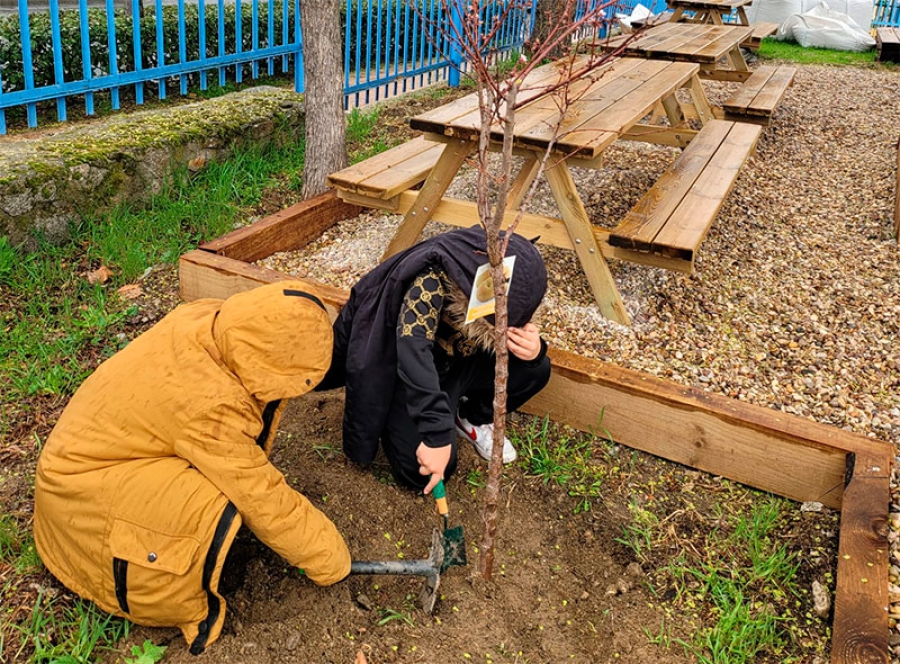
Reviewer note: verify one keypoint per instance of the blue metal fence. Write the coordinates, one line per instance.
(390, 46)
(887, 13)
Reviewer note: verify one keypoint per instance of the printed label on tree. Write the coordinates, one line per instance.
(481, 299)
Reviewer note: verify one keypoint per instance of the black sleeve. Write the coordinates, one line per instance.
(427, 404)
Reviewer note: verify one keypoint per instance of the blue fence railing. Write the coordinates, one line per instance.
(162, 46)
(887, 14)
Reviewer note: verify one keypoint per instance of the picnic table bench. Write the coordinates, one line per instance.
(759, 96)
(664, 229)
(716, 48)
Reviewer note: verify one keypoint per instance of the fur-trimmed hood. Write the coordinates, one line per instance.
(479, 331)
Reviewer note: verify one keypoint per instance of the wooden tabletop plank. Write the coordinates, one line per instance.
(644, 221)
(680, 236)
(541, 116)
(604, 103)
(627, 111)
(694, 42)
(463, 114)
(595, 111)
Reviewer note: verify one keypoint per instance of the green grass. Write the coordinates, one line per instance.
(56, 325)
(771, 49)
(739, 584)
(71, 635)
(362, 129)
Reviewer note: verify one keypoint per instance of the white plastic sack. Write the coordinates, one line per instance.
(861, 11)
(773, 11)
(825, 28)
(639, 13)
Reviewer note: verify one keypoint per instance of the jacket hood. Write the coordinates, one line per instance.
(277, 339)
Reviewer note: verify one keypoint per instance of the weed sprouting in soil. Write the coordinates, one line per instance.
(581, 463)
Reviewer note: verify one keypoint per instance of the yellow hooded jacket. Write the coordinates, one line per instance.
(163, 452)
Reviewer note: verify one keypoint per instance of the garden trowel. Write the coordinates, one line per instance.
(453, 540)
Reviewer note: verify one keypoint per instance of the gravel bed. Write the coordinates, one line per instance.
(794, 303)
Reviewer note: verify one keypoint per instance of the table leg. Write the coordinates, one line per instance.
(523, 180)
(436, 184)
(673, 111)
(742, 17)
(582, 234)
(701, 103)
(736, 59)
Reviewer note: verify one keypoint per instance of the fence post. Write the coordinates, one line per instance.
(456, 58)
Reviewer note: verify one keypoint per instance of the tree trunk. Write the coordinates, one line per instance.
(546, 15)
(326, 148)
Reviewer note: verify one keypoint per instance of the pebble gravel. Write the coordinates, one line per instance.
(794, 303)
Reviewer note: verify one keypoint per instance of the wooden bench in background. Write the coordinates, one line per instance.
(759, 96)
(887, 41)
(673, 218)
(760, 32)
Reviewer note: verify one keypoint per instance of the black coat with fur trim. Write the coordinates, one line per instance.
(365, 333)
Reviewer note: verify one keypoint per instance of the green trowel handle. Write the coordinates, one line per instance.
(440, 498)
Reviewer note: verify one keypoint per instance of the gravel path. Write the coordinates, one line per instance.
(794, 303)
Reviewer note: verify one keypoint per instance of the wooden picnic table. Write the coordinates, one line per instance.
(716, 48)
(720, 12)
(603, 105)
(709, 11)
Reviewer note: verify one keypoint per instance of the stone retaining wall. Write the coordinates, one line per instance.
(52, 177)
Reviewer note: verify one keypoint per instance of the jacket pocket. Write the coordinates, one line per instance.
(155, 555)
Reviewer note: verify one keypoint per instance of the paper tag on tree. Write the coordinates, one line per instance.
(481, 299)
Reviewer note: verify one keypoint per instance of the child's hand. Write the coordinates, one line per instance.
(524, 342)
(433, 461)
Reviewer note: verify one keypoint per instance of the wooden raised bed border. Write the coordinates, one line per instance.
(783, 454)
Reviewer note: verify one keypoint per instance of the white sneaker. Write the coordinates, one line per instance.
(482, 437)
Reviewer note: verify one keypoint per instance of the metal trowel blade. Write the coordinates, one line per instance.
(454, 548)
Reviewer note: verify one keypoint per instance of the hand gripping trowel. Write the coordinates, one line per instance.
(448, 550)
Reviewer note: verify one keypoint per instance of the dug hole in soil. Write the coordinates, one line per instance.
(563, 588)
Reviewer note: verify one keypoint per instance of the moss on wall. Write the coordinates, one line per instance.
(52, 176)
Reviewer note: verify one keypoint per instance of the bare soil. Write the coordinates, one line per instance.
(563, 589)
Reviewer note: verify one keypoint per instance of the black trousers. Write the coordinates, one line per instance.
(469, 384)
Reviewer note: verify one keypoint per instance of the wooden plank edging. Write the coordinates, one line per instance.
(785, 454)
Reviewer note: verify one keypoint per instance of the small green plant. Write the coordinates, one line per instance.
(640, 533)
(475, 478)
(361, 124)
(8, 260)
(405, 616)
(147, 653)
(745, 577)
